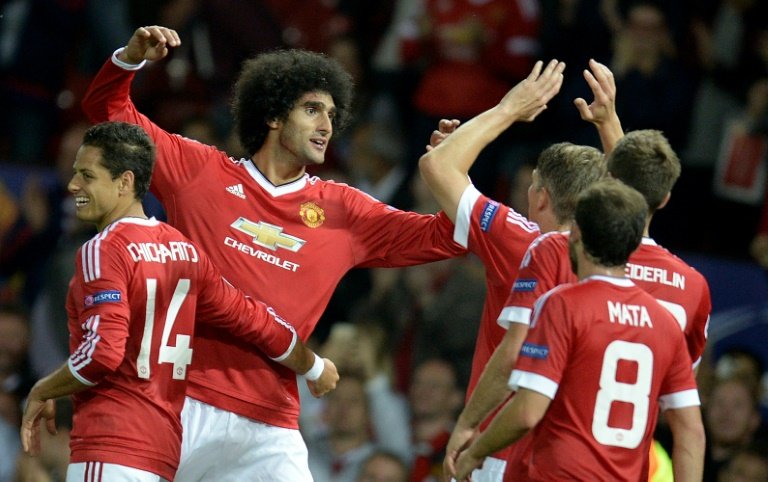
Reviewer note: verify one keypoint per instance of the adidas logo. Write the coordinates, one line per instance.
(237, 190)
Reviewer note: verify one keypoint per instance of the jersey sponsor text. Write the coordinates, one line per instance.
(259, 254)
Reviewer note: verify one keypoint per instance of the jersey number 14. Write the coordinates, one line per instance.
(181, 354)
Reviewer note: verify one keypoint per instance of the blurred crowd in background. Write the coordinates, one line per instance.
(697, 70)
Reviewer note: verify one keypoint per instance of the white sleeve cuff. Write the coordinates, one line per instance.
(686, 398)
(532, 381)
(126, 65)
(514, 314)
(289, 350)
(79, 377)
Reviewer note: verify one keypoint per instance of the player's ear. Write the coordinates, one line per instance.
(665, 201)
(126, 182)
(274, 123)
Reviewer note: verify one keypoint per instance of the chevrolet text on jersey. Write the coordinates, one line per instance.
(259, 254)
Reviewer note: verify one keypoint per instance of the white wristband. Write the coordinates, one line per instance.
(317, 369)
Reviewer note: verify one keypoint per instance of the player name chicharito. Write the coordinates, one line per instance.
(162, 253)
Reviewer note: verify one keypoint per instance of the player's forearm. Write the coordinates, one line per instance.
(689, 443)
(300, 359)
(490, 391)
(506, 428)
(445, 168)
(610, 132)
(60, 383)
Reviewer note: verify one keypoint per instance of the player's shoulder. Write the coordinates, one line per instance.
(553, 240)
(665, 258)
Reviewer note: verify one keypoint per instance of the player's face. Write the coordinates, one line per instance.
(306, 132)
(96, 193)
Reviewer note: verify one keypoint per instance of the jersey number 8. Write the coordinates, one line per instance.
(635, 394)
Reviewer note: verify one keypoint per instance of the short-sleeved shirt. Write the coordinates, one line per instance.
(608, 356)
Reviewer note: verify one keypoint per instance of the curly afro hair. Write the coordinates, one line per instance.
(271, 83)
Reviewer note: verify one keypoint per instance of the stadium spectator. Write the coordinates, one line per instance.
(383, 466)
(435, 398)
(339, 454)
(733, 422)
(748, 464)
(15, 380)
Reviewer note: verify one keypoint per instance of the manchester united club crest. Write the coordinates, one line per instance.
(312, 214)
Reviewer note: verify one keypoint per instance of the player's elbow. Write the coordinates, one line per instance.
(428, 167)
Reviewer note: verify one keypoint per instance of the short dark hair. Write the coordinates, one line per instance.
(270, 84)
(645, 160)
(567, 169)
(611, 217)
(124, 147)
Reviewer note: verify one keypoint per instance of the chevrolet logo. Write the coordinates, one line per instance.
(268, 235)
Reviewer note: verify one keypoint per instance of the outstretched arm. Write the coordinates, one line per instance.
(602, 111)
(445, 168)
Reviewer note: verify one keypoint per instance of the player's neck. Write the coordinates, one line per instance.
(134, 210)
(588, 268)
(278, 172)
(647, 229)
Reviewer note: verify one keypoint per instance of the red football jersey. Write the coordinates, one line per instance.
(288, 245)
(609, 356)
(499, 236)
(678, 287)
(546, 264)
(131, 307)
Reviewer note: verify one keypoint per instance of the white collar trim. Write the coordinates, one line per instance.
(266, 184)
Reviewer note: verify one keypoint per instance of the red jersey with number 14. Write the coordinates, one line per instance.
(131, 305)
(608, 356)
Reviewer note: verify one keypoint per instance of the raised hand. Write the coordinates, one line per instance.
(149, 43)
(529, 97)
(444, 128)
(602, 111)
(603, 107)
